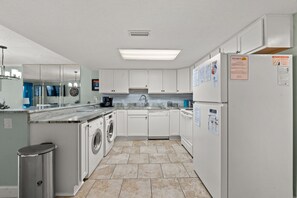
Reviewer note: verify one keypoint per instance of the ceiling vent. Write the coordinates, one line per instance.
(144, 33)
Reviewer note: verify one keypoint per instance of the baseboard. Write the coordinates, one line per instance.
(8, 191)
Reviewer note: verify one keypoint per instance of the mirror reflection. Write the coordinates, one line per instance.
(51, 85)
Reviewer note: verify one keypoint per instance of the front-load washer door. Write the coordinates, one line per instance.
(97, 141)
(110, 132)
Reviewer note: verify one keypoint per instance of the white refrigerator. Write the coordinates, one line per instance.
(243, 126)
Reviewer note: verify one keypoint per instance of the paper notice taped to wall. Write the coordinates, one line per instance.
(239, 68)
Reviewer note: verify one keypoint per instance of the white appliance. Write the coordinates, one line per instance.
(109, 135)
(243, 126)
(95, 144)
(186, 129)
(158, 124)
(138, 123)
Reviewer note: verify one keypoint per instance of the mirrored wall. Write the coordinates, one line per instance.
(51, 85)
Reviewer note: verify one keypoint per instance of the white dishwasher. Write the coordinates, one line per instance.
(137, 123)
(159, 126)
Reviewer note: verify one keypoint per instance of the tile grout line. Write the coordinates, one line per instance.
(181, 187)
(90, 188)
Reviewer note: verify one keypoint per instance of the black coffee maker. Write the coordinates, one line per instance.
(106, 102)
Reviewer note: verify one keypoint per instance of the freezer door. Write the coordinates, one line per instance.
(210, 80)
(260, 113)
(210, 147)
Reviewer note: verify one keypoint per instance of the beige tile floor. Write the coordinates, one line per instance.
(151, 168)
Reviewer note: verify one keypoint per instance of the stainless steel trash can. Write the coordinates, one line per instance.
(36, 171)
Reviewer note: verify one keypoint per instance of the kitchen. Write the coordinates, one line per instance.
(79, 88)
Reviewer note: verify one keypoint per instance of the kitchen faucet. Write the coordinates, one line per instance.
(145, 100)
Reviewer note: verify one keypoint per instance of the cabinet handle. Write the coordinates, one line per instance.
(145, 85)
(177, 90)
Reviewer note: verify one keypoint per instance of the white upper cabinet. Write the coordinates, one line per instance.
(121, 81)
(114, 81)
(169, 81)
(162, 81)
(155, 81)
(269, 34)
(230, 46)
(183, 80)
(191, 79)
(106, 81)
(138, 79)
(252, 38)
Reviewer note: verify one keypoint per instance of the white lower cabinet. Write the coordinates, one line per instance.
(174, 122)
(84, 160)
(121, 123)
(137, 123)
(186, 130)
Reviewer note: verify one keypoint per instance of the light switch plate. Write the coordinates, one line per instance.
(7, 123)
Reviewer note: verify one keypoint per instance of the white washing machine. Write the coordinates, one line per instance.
(109, 132)
(95, 144)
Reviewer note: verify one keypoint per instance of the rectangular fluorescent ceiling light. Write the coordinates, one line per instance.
(149, 54)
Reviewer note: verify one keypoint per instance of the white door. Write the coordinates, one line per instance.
(121, 81)
(159, 124)
(183, 80)
(121, 123)
(138, 79)
(182, 124)
(210, 80)
(169, 81)
(155, 81)
(252, 38)
(210, 147)
(137, 125)
(174, 122)
(84, 150)
(106, 81)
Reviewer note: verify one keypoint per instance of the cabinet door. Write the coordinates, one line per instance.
(155, 81)
(121, 81)
(137, 125)
(174, 122)
(138, 79)
(183, 80)
(191, 79)
(106, 81)
(182, 125)
(83, 151)
(169, 81)
(230, 46)
(121, 123)
(252, 38)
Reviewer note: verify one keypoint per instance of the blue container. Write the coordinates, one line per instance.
(186, 103)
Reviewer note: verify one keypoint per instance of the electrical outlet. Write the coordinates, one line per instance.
(7, 123)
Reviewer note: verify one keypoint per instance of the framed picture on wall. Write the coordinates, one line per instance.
(95, 84)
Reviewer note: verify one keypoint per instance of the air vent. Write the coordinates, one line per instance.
(139, 33)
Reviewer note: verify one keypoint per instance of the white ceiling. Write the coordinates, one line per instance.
(90, 32)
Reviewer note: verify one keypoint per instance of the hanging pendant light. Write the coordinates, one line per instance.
(75, 84)
(13, 74)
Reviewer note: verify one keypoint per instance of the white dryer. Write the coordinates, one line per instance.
(95, 144)
(109, 132)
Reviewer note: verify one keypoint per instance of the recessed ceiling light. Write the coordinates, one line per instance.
(148, 54)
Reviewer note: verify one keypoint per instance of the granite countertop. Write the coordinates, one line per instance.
(78, 116)
(84, 113)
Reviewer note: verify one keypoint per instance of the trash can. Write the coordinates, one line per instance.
(36, 171)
